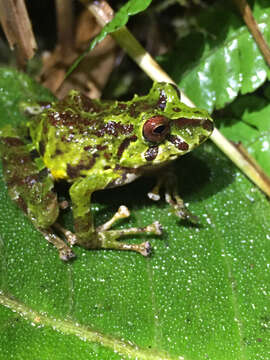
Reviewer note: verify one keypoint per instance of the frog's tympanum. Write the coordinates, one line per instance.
(95, 145)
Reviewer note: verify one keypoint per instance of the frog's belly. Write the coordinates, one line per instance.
(125, 178)
(128, 176)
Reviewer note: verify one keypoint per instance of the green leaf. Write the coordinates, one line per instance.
(132, 7)
(248, 121)
(221, 59)
(204, 294)
(16, 87)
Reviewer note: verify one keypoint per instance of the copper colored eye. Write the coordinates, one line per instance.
(156, 128)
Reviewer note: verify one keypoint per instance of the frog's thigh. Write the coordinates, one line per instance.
(31, 189)
(27, 185)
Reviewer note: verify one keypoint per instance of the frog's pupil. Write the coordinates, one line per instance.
(159, 129)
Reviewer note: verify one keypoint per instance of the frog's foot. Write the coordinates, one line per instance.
(69, 235)
(171, 196)
(179, 207)
(64, 204)
(65, 252)
(103, 238)
(107, 239)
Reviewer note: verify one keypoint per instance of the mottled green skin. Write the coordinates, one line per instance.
(94, 145)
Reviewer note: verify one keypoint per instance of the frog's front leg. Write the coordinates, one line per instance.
(167, 179)
(101, 237)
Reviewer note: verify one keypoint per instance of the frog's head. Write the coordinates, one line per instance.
(170, 128)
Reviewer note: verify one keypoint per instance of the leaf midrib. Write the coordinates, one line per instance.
(83, 332)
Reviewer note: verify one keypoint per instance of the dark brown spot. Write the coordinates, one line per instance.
(87, 104)
(122, 106)
(178, 142)
(107, 155)
(102, 147)
(162, 100)
(12, 180)
(125, 144)
(151, 153)
(88, 147)
(42, 174)
(184, 122)
(176, 109)
(133, 111)
(34, 154)
(208, 125)
(24, 159)
(22, 204)
(58, 152)
(114, 129)
(82, 102)
(73, 171)
(12, 141)
(68, 118)
(41, 147)
(106, 167)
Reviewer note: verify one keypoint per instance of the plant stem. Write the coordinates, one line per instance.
(248, 17)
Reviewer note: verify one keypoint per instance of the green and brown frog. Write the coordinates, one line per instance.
(95, 145)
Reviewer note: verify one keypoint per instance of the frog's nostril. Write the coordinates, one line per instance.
(208, 125)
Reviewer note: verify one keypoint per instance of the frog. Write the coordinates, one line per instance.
(93, 145)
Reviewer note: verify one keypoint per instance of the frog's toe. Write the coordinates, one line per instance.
(146, 248)
(155, 228)
(153, 196)
(193, 218)
(185, 214)
(66, 254)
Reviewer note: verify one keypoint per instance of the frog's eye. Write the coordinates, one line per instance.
(156, 128)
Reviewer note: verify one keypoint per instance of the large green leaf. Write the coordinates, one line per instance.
(247, 120)
(204, 294)
(221, 58)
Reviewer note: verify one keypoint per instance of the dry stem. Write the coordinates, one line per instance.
(18, 30)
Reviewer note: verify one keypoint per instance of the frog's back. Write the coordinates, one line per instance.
(77, 136)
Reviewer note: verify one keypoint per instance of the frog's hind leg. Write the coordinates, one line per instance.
(31, 188)
(105, 239)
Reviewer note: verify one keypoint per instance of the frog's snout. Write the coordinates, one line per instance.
(208, 125)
